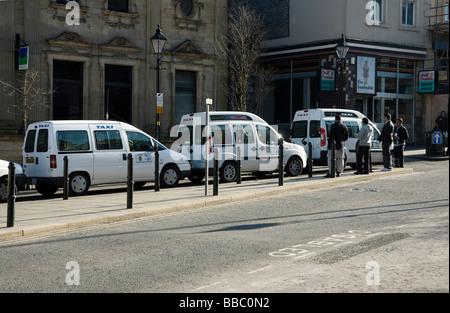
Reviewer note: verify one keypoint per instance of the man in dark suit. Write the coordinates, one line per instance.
(400, 136)
(338, 133)
(386, 138)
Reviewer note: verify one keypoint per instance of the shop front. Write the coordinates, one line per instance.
(373, 79)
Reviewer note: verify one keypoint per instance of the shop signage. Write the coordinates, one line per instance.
(327, 79)
(427, 80)
(366, 75)
(23, 58)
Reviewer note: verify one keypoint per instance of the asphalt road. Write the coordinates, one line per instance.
(385, 235)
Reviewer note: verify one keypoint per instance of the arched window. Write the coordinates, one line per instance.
(186, 7)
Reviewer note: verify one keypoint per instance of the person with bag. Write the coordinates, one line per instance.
(400, 136)
(338, 134)
(363, 147)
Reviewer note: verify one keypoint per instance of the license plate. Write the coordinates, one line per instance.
(29, 161)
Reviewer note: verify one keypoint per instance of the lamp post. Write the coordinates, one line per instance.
(158, 42)
(341, 50)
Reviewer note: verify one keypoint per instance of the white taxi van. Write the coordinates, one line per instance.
(313, 126)
(256, 140)
(97, 154)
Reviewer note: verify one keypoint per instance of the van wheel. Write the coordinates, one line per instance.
(228, 172)
(79, 184)
(46, 190)
(294, 166)
(170, 176)
(196, 178)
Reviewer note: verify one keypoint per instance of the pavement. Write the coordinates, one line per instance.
(35, 214)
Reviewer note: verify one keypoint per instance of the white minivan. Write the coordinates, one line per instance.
(313, 126)
(97, 154)
(231, 132)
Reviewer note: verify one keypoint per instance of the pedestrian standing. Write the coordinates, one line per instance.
(386, 138)
(400, 136)
(338, 134)
(442, 122)
(363, 147)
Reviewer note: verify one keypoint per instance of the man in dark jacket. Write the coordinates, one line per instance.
(386, 141)
(338, 133)
(400, 135)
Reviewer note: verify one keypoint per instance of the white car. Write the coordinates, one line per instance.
(4, 172)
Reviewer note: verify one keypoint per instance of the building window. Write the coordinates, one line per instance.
(118, 5)
(408, 12)
(68, 86)
(186, 7)
(446, 13)
(377, 12)
(185, 93)
(118, 92)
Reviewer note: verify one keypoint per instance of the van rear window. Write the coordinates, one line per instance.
(42, 141)
(299, 129)
(29, 142)
(72, 140)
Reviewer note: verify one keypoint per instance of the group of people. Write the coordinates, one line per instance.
(389, 134)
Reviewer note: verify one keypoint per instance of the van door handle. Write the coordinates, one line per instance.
(124, 156)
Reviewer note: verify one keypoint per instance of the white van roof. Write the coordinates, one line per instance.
(80, 122)
(326, 112)
(222, 116)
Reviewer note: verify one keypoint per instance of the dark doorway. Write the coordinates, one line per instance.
(68, 86)
(118, 91)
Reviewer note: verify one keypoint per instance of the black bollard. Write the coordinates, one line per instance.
(130, 182)
(280, 162)
(156, 167)
(333, 159)
(11, 197)
(310, 160)
(66, 179)
(216, 173)
(238, 155)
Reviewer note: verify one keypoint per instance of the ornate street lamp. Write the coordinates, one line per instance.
(158, 43)
(341, 50)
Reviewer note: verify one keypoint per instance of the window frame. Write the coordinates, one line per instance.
(405, 15)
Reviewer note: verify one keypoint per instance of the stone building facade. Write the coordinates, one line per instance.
(97, 58)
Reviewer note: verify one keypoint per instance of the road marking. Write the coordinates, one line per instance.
(207, 286)
(305, 255)
(260, 269)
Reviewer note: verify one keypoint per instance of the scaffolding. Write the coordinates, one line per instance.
(438, 25)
